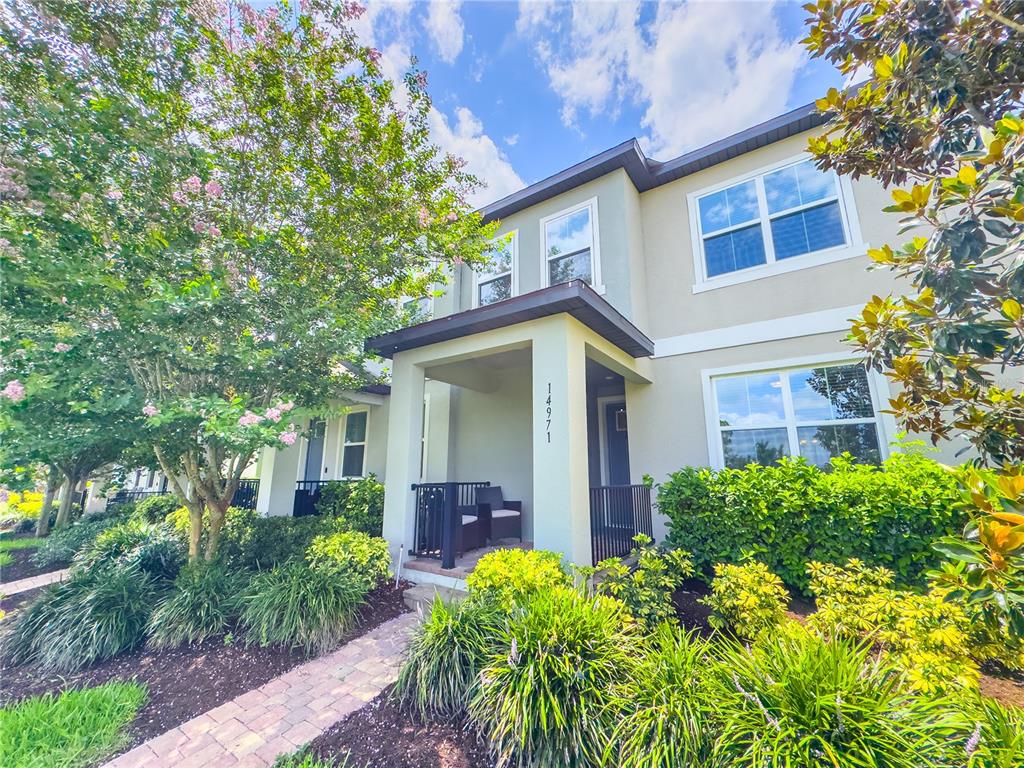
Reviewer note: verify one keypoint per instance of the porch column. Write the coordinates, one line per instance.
(405, 435)
(279, 468)
(561, 484)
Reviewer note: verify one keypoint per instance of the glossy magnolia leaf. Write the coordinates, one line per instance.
(957, 550)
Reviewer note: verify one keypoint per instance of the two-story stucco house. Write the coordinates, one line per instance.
(638, 317)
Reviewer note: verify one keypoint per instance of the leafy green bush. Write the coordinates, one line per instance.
(75, 729)
(927, 637)
(447, 651)
(62, 546)
(359, 504)
(201, 604)
(122, 510)
(96, 614)
(260, 543)
(154, 548)
(296, 605)
(646, 587)
(790, 513)
(747, 599)
(365, 557)
(507, 576)
(553, 687)
(155, 509)
(796, 699)
(671, 722)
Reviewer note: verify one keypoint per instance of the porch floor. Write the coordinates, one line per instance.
(464, 564)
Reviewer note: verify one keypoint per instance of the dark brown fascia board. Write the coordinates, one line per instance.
(646, 173)
(575, 298)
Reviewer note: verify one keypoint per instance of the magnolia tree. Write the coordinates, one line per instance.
(235, 200)
(940, 117)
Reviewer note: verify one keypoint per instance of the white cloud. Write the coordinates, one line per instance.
(512, 140)
(700, 70)
(444, 25)
(466, 138)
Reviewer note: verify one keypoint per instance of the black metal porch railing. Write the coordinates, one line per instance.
(617, 514)
(245, 494)
(438, 518)
(307, 496)
(124, 497)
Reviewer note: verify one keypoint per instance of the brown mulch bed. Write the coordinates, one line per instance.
(22, 567)
(187, 681)
(381, 735)
(11, 603)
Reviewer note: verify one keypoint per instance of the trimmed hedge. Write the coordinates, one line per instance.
(790, 513)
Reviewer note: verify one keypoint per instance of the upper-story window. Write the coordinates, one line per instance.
(570, 245)
(760, 222)
(495, 281)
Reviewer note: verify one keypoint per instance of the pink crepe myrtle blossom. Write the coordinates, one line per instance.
(199, 227)
(285, 407)
(193, 184)
(421, 79)
(115, 194)
(150, 410)
(452, 216)
(14, 391)
(249, 419)
(423, 216)
(179, 197)
(288, 438)
(4, 495)
(272, 414)
(60, 346)
(213, 188)
(213, 230)
(373, 55)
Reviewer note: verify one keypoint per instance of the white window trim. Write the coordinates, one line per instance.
(343, 443)
(595, 243)
(878, 386)
(848, 213)
(479, 279)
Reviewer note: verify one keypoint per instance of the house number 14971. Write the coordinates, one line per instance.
(548, 411)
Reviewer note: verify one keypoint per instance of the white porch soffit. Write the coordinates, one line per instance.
(575, 298)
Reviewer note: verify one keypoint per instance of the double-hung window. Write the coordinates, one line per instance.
(814, 412)
(495, 281)
(353, 450)
(784, 213)
(418, 310)
(570, 247)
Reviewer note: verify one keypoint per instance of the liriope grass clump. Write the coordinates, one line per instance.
(203, 602)
(445, 656)
(560, 675)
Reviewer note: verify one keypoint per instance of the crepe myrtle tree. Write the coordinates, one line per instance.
(236, 198)
(940, 116)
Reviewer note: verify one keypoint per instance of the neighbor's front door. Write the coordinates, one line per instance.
(315, 450)
(616, 443)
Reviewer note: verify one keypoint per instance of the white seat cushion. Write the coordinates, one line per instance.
(505, 513)
(467, 519)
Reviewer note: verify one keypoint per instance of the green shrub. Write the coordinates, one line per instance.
(359, 504)
(365, 557)
(445, 655)
(558, 679)
(202, 603)
(121, 509)
(790, 513)
(155, 509)
(646, 587)
(296, 605)
(927, 638)
(796, 699)
(260, 543)
(95, 615)
(154, 548)
(75, 729)
(507, 576)
(747, 599)
(62, 546)
(671, 722)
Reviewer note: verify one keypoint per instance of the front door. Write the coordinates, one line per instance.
(315, 451)
(616, 443)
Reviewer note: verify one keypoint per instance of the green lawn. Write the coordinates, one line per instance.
(75, 729)
(8, 544)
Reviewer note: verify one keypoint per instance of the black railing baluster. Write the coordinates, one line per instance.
(437, 517)
(617, 514)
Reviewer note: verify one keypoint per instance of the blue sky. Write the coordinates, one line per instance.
(523, 90)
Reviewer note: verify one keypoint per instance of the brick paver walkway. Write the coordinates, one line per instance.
(24, 585)
(282, 715)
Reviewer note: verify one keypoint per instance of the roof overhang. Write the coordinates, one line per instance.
(646, 173)
(575, 298)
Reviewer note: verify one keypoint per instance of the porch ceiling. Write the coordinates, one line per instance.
(575, 298)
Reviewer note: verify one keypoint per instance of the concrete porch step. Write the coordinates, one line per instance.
(421, 596)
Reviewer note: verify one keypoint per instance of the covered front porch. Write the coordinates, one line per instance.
(536, 450)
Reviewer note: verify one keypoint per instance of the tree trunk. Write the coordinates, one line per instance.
(218, 511)
(52, 484)
(66, 500)
(195, 528)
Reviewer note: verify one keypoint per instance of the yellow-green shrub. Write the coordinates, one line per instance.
(747, 599)
(507, 576)
(365, 557)
(25, 504)
(927, 638)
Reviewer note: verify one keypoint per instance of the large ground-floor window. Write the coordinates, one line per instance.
(812, 411)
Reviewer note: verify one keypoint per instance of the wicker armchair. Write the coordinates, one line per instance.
(500, 518)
